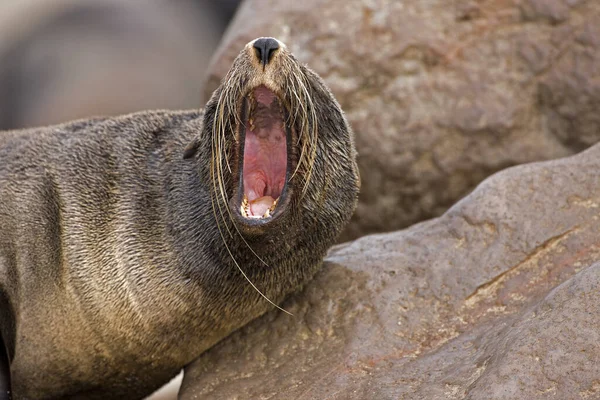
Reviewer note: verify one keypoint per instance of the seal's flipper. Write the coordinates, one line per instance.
(4, 374)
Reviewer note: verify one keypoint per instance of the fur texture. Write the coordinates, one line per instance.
(115, 264)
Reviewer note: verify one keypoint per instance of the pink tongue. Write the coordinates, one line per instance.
(260, 206)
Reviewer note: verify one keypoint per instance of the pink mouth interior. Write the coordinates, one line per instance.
(265, 152)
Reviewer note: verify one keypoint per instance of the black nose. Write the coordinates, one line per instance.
(265, 47)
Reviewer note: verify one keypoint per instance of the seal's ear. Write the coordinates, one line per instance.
(191, 149)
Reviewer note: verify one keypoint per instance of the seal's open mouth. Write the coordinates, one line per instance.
(265, 159)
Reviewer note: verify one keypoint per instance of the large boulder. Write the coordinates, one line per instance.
(497, 299)
(440, 93)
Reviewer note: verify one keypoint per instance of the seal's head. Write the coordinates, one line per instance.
(280, 147)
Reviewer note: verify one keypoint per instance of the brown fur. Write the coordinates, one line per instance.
(114, 248)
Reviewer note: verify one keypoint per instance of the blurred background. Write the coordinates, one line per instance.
(67, 59)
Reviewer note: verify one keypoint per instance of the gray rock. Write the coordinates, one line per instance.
(496, 299)
(440, 93)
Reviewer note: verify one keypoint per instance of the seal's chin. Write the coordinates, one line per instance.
(265, 155)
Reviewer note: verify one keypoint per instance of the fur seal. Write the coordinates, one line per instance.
(130, 245)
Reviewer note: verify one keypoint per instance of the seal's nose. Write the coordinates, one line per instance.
(265, 47)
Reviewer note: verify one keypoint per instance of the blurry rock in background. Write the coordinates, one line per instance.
(68, 59)
(440, 93)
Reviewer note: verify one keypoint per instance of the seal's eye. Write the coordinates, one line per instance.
(265, 154)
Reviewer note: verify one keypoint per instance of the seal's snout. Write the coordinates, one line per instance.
(265, 48)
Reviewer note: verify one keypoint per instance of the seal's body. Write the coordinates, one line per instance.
(128, 246)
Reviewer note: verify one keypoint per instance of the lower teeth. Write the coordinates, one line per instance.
(245, 209)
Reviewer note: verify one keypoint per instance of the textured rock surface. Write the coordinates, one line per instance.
(498, 298)
(441, 93)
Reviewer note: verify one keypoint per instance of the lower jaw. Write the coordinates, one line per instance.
(278, 209)
(247, 213)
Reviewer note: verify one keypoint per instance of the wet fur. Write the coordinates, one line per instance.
(115, 264)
